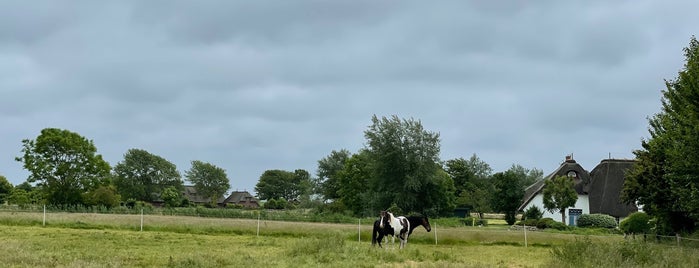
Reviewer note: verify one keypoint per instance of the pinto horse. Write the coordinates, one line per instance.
(413, 222)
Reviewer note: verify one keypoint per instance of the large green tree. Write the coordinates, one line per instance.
(143, 176)
(209, 180)
(526, 176)
(473, 187)
(327, 174)
(64, 164)
(5, 189)
(508, 194)
(405, 162)
(352, 184)
(665, 177)
(559, 194)
(276, 184)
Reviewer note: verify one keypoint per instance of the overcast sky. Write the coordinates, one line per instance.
(255, 85)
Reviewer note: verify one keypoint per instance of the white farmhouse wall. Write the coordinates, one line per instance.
(538, 200)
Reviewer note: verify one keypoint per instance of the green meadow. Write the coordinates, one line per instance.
(109, 240)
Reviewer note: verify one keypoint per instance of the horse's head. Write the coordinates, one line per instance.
(426, 223)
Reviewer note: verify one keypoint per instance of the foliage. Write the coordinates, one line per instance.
(275, 184)
(143, 176)
(351, 184)
(472, 184)
(588, 253)
(508, 194)
(5, 189)
(636, 223)
(665, 178)
(106, 196)
(597, 221)
(209, 180)
(552, 224)
(18, 197)
(533, 213)
(328, 174)
(559, 195)
(172, 197)
(280, 203)
(64, 163)
(526, 176)
(405, 161)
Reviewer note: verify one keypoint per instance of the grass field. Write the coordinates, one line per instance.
(107, 240)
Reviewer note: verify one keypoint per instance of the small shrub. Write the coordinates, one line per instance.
(596, 220)
(544, 223)
(528, 222)
(533, 213)
(636, 223)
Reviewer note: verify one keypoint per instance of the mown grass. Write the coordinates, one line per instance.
(108, 240)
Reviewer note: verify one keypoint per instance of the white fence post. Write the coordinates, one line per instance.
(359, 230)
(141, 220)
(258, 224)
(525, 234)
(435, 233)
(44, 223)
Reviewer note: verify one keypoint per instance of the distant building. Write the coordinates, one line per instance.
(598, 191)
(242, 198)
(190, 192)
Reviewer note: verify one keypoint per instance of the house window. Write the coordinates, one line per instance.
(573, 215)
(572, 174)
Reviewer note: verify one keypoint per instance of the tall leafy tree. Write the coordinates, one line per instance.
(405, 161)
(352, 181)
(327, 173)
(508, 194)
(5, 189)
(526, 177)
(665, 177)
(209, 180)
(143, 176)
(276, 184)
(559, 194)
(472, 184)
(64, 164)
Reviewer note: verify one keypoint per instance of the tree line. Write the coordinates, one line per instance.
(399, 169)
(65, 170)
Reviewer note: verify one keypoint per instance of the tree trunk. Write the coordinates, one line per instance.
(563, 216)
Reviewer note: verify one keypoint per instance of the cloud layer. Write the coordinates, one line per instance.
(251, 86)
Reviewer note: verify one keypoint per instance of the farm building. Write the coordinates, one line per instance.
(598, 191)
(242, 198)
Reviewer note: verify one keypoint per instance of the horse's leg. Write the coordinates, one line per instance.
(379, 239)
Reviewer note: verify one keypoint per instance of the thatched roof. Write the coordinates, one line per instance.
(240, 196)
(581, 179)
(190, 192)
(606, 185)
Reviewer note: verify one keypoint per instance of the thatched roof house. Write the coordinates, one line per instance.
(568, 168)
(242, 198)
(598, 191)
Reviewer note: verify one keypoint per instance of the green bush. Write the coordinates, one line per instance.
(551, 224)
(533, 213)
(528, 222)
(596, 221)
(636, 223)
